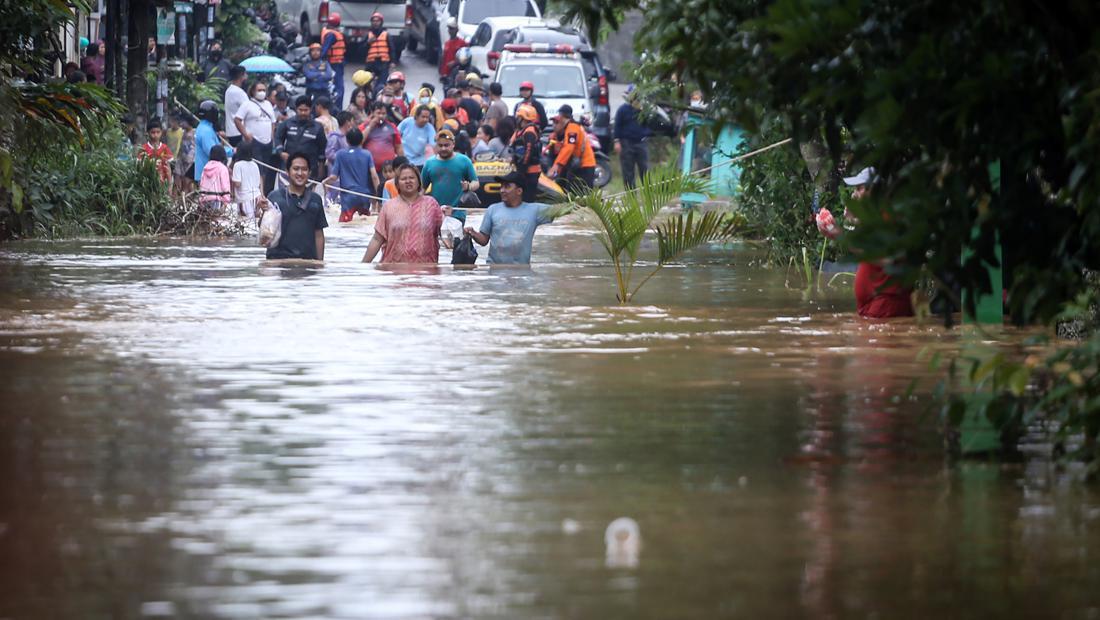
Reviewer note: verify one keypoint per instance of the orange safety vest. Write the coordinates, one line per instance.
(575, 144)
(336, 52)
(380, 49)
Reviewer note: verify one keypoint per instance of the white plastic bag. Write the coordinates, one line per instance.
(271, 226)
(451, 229)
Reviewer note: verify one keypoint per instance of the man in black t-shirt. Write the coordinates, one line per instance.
(304, 221)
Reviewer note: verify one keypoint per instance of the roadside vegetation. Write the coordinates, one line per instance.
(982, 122)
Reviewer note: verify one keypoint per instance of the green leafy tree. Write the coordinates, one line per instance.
(935, 94)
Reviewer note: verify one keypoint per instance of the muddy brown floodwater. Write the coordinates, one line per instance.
(189, 433)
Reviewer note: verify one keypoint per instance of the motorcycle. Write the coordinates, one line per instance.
(280, 34)
(489, 167)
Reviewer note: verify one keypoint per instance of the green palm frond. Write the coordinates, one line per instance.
(683, 233)
(624, 219)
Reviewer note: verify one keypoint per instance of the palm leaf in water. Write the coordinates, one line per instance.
(682, 233)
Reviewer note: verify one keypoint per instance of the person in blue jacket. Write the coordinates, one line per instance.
(318, 74)
(206, 136)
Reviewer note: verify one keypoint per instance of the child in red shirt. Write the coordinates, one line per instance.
(157, 150)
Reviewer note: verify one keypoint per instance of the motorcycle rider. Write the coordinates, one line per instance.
(333, 49)
(527, 93)
(450, 49)
(318, 74)
(215, 66)
(378, 50)
(459, 68)
(527, 151)
(575, 161)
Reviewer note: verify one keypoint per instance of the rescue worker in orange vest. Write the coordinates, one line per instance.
(576, 161)
(378, 50)
(332, 50)
(527, 151)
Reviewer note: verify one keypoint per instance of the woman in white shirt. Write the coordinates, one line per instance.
(246, 180)
(256, 119)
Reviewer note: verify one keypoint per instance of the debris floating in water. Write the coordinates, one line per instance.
(624, 543)
(570, 526)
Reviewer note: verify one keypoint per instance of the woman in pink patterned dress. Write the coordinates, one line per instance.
(407, 230)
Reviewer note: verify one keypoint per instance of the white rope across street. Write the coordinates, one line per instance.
(312, 182)
(611, 197)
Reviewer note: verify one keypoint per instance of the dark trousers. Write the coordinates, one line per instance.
(531, 187)
(579, 180)
(337, 87)
(633, 153)
(381, 71)
(235, 141)
(315, 93)
(261, 152)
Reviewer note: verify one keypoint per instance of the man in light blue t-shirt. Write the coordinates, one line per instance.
(417, 135)
(511, 224)
(448, 173)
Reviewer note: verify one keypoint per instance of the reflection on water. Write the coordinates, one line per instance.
(190, 432)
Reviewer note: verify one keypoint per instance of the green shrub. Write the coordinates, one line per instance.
(777, 195)
(94, 188)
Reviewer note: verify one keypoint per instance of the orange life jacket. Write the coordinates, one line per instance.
(336, 52)
(380, 49)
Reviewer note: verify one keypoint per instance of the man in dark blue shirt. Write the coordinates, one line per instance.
(302, 134)
(630, 138)
(304, 221)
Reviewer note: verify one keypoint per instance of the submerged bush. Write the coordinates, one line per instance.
(777, 195)
(95, 187)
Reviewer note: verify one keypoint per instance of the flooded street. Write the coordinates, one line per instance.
(190, 433)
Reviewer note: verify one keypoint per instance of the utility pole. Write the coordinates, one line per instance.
(137, 61)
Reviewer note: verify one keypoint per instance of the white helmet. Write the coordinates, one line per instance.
(463, 56)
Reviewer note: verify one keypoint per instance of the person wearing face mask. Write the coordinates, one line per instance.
(255, 120)
(424, 99)
(215, 66)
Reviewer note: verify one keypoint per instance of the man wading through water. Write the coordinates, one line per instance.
(511, 224)
(304, 219)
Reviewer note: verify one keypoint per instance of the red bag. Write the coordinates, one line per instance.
(826, 225)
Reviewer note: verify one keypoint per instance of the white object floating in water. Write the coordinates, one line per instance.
(624, 543)
(570, 526)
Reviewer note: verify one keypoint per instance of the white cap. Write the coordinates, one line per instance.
(863, 177)
(452, 22)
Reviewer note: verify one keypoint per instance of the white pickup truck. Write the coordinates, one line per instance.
(311, 16)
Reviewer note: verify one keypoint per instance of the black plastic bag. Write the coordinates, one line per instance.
(468, 200)
(464, 252)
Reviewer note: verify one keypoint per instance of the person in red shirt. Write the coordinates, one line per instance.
(878, 296)
(380, 136)
(450, 48)
(157, 151)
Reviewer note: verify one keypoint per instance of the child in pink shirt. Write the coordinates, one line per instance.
(214, 186)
